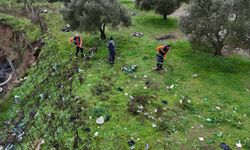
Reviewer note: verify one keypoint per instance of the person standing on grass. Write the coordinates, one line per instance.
(111, 48)
(161, 55)
(77, 40)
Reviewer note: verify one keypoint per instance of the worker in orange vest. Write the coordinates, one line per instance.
(77, 40)
(161, 55)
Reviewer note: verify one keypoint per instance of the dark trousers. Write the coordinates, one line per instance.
(79, 49)
(111, 57)
(159, 60)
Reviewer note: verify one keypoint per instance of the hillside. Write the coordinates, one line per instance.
(198, 102)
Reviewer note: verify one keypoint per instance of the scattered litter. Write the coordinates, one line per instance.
(145, 76)
(45, 11)
(218, 108)
(41, 96)
(39, 143)
(165, 37)
(17, 98)
(100, 120)
(239, 145)
(131, 97)
(96, 134)
(194, 75)
(164, 102)
(209, 120)
(87, 130)
(120, 89)
(23, 79)
(171, 86)
(126, 94)
(137, 34)
(1, 147)
(220, 134)
(147, 147)
(9, 147)
(133, 13)
(145, 88)
(79, 70)
(129, 69)
(201, 139)
(224, 146)
(154, 125)
(1, 90)
(131, 143)
(66, 28)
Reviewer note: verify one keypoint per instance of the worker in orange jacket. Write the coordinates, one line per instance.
(161, 55)
(77, 40)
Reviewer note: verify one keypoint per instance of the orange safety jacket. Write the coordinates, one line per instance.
(77, 41)
(161, 52)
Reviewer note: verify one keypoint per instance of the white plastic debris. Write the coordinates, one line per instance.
(45, 11)
(239, 145)
(218, 108)
(172, 86)
(131, 97)
(194, 75)
(201, 139)
(100, 120)
(126, 94)
(145, 88)
(181, 101)
(96, 134)
(209, 120)
(145, 76)
(147, 146)
(154, 125)
(1, 90)
(1, 147)
(220, 134)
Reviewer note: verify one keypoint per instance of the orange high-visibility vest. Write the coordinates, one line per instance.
(161, 52)
(76, 40)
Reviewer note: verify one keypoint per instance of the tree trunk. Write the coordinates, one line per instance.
(165, 17)
(102, 31)
(218, 52)
(219, 45)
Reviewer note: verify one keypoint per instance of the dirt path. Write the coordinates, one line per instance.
(182, 11)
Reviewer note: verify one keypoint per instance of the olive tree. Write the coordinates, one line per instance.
(218, 23)
(161, 7)
(166, 7)
(95, 15)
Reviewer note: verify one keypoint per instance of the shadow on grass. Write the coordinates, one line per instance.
(201, 61)
(157, 22)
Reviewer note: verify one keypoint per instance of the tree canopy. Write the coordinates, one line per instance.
(218, 23)
(161, 7)
(94, 15)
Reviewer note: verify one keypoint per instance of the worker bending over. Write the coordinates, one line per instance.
(161, 55)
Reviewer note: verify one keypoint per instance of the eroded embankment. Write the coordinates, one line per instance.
(17, 54)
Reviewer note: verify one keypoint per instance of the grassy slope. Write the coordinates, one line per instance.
(21, 25)
(32, 32)
(221, 82)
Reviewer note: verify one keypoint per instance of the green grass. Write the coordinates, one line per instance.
(21, 25)
(221, 82)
